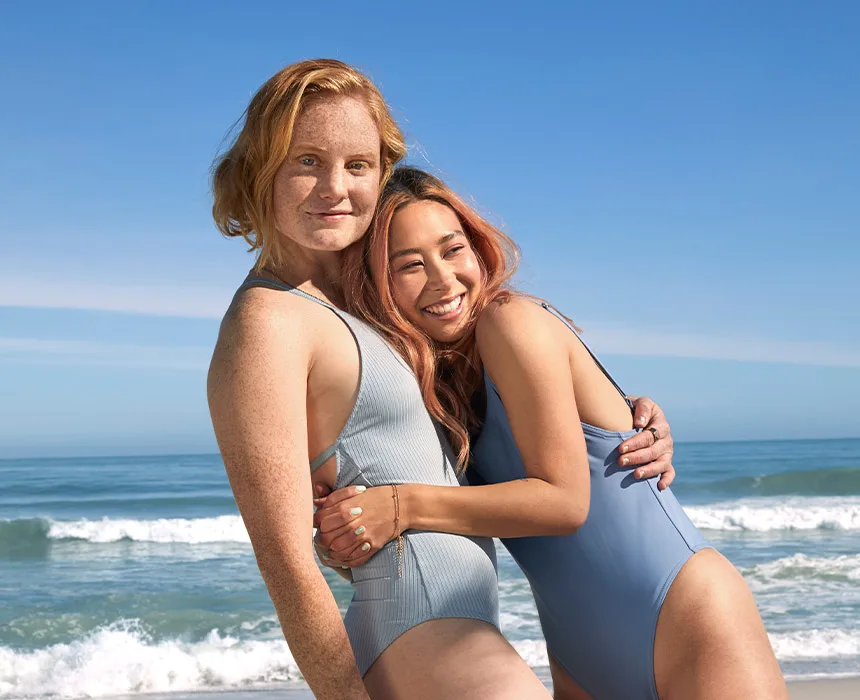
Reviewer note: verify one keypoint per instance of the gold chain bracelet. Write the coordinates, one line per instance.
(397, 532)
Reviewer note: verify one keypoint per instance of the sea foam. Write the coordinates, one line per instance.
(752, 515)
(841, 568)
(772, 514)
(121, 658)
(224, 528)
(816, 644)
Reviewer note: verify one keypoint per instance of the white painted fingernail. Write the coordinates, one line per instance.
(624, 461)
(360, 489)
(365, 546)
(624, 448)
(325, 556)
(642, 421)
(355, 511)
(360, 531)
(344, 567)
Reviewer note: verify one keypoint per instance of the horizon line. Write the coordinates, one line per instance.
(218, 454)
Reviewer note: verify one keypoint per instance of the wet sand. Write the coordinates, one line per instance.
(837, 689)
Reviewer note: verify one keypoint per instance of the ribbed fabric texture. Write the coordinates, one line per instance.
(390, 438)
(600, 590)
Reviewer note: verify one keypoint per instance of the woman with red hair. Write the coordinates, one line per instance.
(296, 380)
(633, 602)
(303, 394)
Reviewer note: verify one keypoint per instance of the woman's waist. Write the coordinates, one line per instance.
(576, 583)
(429, 552)
(624, 556)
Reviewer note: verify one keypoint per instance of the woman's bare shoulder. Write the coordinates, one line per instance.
(263, 329)
(264, 316)
(511, 315)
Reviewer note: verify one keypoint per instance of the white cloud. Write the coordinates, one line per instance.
(616, 340)
(101, 354)
(153, 300)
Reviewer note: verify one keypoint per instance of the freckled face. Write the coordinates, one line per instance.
(325, 190)
(434, 271)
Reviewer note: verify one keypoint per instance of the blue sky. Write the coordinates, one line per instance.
(682, 178)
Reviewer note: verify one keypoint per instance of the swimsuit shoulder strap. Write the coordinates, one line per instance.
(326, 454)
(263, 282)
(570, 326)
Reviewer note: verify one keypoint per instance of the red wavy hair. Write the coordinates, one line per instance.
(448, 374)
(243, 177)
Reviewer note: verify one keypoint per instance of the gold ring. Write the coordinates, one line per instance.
(655, 434)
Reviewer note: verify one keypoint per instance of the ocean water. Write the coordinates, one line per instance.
(132, 575)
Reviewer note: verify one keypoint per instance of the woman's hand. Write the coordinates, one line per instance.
(355, 522)
(324, 553)
(651, 450)
(328, 561)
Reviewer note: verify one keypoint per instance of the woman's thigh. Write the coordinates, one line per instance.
(452, 658)
(710, 640)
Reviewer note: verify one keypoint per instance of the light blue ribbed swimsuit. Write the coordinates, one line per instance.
(390, 438)
(598, 591)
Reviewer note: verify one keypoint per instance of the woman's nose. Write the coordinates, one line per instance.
(332, 184)
(440, 276)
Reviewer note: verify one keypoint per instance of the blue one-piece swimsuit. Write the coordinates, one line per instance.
(598, 591)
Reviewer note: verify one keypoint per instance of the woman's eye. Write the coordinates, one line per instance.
(307, 160)
(358, 166)
(456, 249)
(414, 265)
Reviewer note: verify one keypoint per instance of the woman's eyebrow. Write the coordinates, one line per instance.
(302, 147)
(448, 236)
(405, 251)
(416, 251)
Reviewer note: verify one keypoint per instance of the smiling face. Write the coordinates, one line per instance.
(326, 188)
(435, 274)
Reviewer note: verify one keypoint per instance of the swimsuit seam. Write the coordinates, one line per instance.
(604, 432)
(669, 515)
(337, 465)
(417, 563)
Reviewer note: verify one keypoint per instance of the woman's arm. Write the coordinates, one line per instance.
(519, 346)
(531, 368)
(257, 388)
(643, 454)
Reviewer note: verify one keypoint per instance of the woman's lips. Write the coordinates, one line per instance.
(446, 311)
(330, 215)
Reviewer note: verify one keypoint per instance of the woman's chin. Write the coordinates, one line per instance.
(447, 336)
(444, 331)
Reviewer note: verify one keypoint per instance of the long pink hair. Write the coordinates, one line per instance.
(448, 374)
